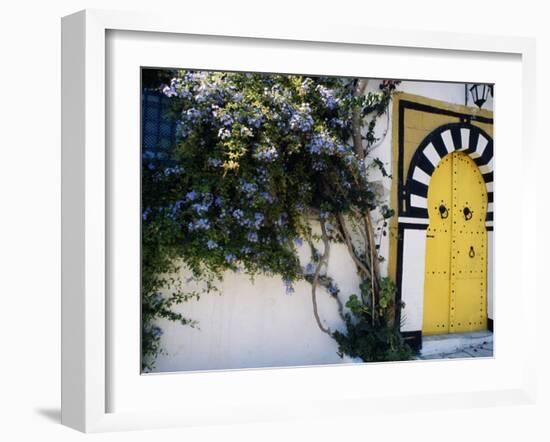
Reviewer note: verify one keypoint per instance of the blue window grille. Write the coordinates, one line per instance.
(158, 130)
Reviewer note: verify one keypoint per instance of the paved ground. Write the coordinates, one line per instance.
(484, 349)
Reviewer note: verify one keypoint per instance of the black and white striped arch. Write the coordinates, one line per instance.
(442, 141)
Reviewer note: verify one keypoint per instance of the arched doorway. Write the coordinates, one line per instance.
(455, 278)
(424, 132)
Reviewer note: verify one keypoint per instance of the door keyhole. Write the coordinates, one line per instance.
(443, 212)
(472, 253)
(467, 213)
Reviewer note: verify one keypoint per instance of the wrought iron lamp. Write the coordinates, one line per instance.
(480, 92)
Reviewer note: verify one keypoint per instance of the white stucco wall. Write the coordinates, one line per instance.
(414, 250)
(258, 325)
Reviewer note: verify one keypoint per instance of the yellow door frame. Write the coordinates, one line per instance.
(417, 121)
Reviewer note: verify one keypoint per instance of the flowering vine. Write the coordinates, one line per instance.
(264, 163)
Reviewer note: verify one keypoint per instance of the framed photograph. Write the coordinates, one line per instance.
(250, 214)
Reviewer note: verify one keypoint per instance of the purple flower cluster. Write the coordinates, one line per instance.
(203, 92)
(201, 209)
(176, 170)
(327, 95)
(262, 175)
(156, 332)
(342, 148)
(249, 188)
(288, 286)
(192, 115)
(226, 120)
(319, 166)
(301, 120)
(170, 91)
(306, 84)
(200, 224)
(283, 217)
(332, 288)
(321, 143)
(349, 159)
(214, 162)
(258, 220)
(238, 214)
(175, 208)
(309, 269)
(336, 122)
(146, 212)
(183, 129)
(252, 117)
(266, 196)
(267, 154)
(230, 258)
(177, 88)
(255, 121)
(363, 168)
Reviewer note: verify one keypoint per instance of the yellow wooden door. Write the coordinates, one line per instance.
(455, 295)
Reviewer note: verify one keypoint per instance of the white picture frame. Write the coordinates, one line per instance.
(86, 317)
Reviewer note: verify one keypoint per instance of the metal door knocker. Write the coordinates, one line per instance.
(472, 253)
(467, 213)
(443, 212)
